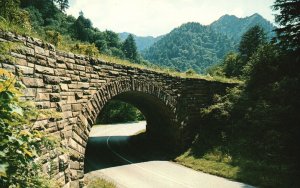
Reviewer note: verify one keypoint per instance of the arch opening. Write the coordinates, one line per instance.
(159, 130)
(159, 118)
(158, 107)
(116, 111)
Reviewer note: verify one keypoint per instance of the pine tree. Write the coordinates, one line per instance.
(130, 49)
(112, 39)
(82, 28)
(251, 40)
(63, 4)
(289, 20)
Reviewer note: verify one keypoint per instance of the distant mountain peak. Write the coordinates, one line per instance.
(226, 16)
(191, 23)
(256, 15)
(235, 27)
(195, 46)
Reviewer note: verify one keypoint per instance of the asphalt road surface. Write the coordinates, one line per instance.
(108, 157)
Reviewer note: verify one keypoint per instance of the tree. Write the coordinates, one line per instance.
(47, 9)
(251, 40)
(63, 4)
(289, 20)
(265, 67)
(119, 112)
(233, 66)
(8, 8)
(35, 17)
(11, 12)
(82, 28)
(99, 40)
(130, 49)
(101, 45)
(112, 39)
(238, 64)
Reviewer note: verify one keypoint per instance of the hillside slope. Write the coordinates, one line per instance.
(190, 46)
(194, 46)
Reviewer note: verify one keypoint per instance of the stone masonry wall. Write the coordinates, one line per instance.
(78, 87)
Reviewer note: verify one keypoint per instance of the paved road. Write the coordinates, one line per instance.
(107, 157)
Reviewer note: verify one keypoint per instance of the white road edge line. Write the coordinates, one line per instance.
(157, 174)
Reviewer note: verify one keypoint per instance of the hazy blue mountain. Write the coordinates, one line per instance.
(141, 42)
(235, 27)
(190, 46)
(194, 46)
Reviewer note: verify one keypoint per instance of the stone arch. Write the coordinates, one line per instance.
(150, 94)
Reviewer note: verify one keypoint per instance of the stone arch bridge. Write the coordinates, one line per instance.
(79, 86)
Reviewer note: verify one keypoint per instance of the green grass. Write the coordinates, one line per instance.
(100, 183)
(217, 162)
(67, 44)
(257, 173)
(211, 163)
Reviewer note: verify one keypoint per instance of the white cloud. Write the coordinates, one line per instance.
(156, 17)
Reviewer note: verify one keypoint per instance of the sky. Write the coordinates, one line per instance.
(158, 17)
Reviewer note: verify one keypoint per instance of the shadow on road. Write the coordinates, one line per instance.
(139, 162)
(111, 151)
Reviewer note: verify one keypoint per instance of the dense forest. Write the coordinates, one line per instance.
(191, 46)
(197, 47)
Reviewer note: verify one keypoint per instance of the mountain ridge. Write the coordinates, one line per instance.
(142, 42)
(254, 18)
(196, 46)
(234, 27)
(190, 46)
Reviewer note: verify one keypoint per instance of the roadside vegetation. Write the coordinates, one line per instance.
(21, 144)
(251, 134)
(100, 182)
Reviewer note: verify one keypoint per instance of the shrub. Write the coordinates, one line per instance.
(190, 72)
(86, 49)
(20, 143)
(99, 182)
(54, 37)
